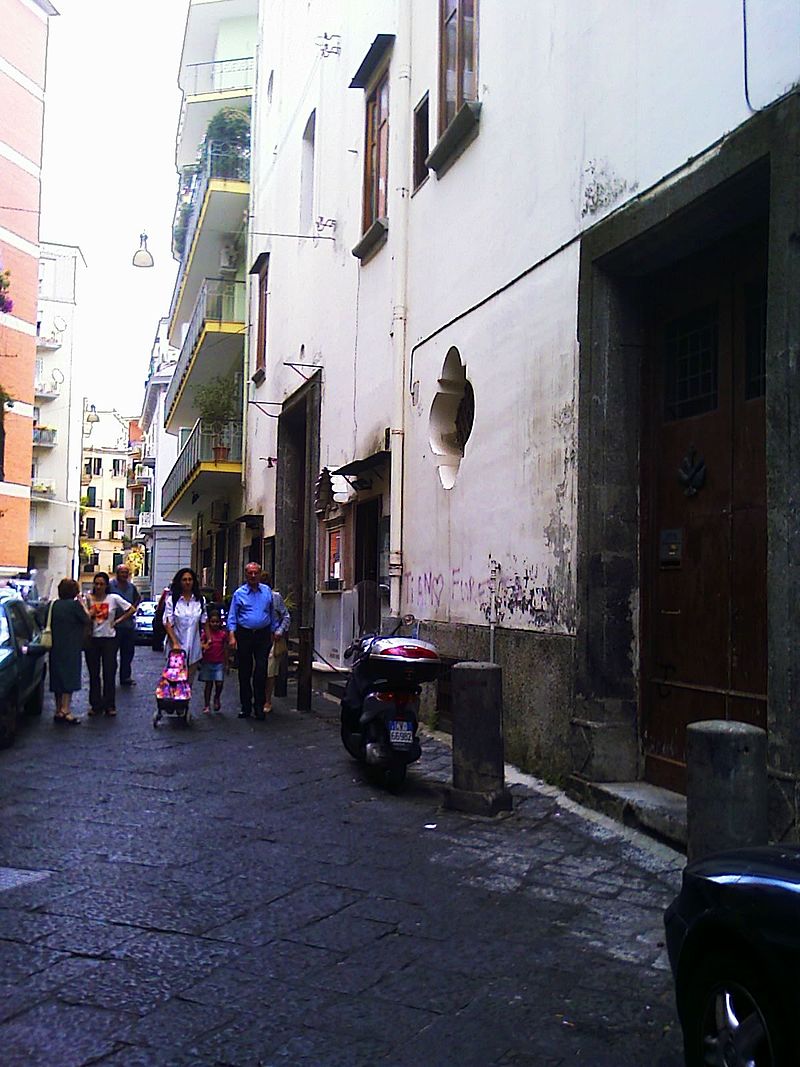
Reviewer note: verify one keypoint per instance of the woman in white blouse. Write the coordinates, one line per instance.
(184, 612)
(106, 611)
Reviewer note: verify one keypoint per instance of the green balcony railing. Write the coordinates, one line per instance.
(205, 444)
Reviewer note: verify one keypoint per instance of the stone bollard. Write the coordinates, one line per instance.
(478, 753)
(726, 792)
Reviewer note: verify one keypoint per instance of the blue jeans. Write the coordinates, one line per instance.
(127, 646)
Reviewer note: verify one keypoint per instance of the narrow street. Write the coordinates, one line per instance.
(236, 893)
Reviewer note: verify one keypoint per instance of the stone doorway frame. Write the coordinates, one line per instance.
(754, 172)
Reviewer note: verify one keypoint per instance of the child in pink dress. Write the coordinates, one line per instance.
(213, 641)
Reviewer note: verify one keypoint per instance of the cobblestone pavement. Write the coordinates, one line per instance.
(237, 893)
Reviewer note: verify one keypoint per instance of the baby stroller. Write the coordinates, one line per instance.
(173, 692)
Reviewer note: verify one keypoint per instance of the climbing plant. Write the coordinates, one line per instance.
(6, 303)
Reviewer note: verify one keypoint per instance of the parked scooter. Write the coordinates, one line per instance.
(380, 707)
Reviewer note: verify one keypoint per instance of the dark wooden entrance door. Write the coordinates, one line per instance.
(703, 493)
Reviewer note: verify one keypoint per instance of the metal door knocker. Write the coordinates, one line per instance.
(692, 472)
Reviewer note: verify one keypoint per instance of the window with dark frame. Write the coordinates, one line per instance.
(458, 57)
(376, 153)
(90, 527)
(421, 140)
(261, 339)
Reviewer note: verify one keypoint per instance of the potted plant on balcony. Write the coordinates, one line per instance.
(218, 403)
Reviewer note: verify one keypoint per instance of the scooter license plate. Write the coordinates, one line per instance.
(400, 732)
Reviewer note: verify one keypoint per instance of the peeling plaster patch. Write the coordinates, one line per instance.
(602, 188)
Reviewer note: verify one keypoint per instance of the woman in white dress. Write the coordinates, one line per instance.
(184, 612)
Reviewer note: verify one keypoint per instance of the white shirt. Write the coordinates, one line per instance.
(185, 618)
(104, 611)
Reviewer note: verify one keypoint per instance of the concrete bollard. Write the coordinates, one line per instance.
(726, 792)
(478, 752)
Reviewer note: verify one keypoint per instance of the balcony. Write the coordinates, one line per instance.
(86, 479)
(50, 343)
(219, 194)
(209, 464)
(146, 519)
(44, 437)
(214, 346)
(43, 490)
(206, 88)
(139, 474)
(46, 390)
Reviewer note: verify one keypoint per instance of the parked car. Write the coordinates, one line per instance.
(733, 937)
(21, 675)
(143, 621)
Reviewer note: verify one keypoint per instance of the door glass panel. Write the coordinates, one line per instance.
(690, 364)
(21, 623)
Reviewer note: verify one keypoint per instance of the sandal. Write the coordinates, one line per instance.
(111, 712)
(217, 704)
(69, 719)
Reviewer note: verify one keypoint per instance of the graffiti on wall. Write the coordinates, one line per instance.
(521, 594)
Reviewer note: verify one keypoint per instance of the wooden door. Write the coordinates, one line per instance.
(703, 494)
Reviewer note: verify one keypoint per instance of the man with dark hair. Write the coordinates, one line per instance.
(125, 631)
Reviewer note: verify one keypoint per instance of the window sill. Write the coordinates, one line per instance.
(258, 376)
(458, 135)
(372, 241)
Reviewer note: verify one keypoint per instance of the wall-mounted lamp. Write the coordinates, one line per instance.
(271, 460)
(142, 257)
(90, 417)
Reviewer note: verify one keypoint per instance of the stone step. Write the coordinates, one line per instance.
(648, 808)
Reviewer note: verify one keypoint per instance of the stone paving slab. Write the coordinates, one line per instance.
(237, 893)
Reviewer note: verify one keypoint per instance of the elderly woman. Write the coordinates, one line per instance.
(184, 612)
(69, 622)
(103, 607)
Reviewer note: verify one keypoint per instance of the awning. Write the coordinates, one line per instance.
(358, 466)
(372, 60)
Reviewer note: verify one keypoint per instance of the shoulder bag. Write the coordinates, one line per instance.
(46, 638)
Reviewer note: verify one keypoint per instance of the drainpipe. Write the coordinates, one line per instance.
(494, 571)
(400, 157)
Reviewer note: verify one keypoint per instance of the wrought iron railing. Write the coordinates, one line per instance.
(218, 301)
(44, 435)
(221, 443)
(225, 162)
(219, 76)
(47, 390)
(145, 520)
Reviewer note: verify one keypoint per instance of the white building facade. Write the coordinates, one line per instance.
(55, 472)
(520, 340)
(168, 545)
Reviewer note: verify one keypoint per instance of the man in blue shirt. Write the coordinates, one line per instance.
(125, 631)
(251, 622)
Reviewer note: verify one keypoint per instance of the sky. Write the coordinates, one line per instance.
(111, 114)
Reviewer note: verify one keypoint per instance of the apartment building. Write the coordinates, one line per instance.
(23, 58)
(55, 468)
(167, 545)
(524, 316)
(207, 322)
(106, 458)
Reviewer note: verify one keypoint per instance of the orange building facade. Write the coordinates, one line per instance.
(23, 57)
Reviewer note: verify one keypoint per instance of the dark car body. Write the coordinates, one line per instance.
(143, 622)
(21, 675)
(733, 937)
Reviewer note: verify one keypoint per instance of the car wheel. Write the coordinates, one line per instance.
(730, 1015)
(35, 702)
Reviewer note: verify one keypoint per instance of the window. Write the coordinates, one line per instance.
(334, 568)
(91, 496)
(118, 526)
(376, 154)
(421, 141)
(262, 271)
(119, 559)
(90, 527)
(458, 58)
(117, 468)
(119, 498)
(97, 465)
(87, 467)
(307, 175)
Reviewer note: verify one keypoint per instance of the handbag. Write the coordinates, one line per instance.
(46, 638)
